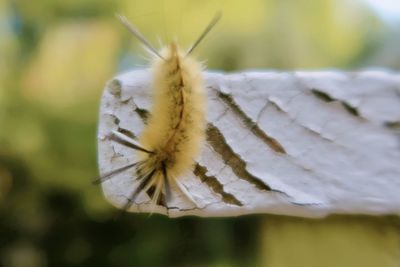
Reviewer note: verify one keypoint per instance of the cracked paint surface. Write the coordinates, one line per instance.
(303, 144)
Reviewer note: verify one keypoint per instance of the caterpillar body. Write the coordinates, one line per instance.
(172, 139)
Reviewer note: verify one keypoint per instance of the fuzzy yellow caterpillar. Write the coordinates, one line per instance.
(173, 137)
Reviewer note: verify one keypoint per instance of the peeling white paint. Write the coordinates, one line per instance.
(341, 156)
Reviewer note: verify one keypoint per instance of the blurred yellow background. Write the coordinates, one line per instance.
(55, 58)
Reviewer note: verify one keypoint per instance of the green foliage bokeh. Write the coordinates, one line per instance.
(55, 58)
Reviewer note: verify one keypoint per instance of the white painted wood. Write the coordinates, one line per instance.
(339, 132)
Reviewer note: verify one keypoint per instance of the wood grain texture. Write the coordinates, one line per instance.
(302, 143)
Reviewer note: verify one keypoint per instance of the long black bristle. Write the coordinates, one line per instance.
(128, 144)
(168, 193)
(138, 35)
(209, 27)
(141, 186)
(110, 174)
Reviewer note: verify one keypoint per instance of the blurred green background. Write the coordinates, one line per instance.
(55, 58)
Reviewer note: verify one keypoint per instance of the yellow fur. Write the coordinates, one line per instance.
(173, 137)
(176, 129)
